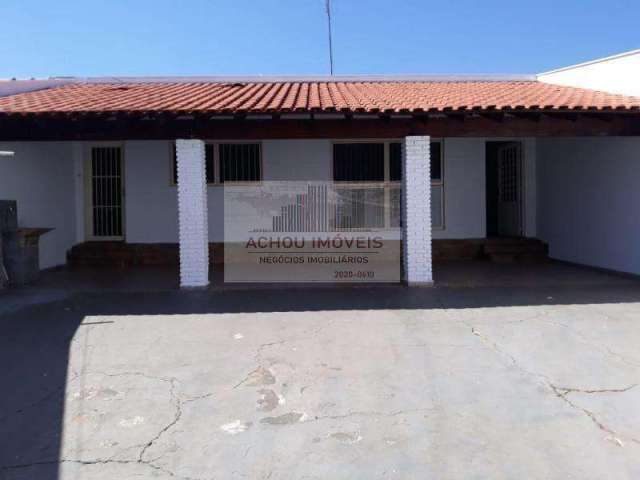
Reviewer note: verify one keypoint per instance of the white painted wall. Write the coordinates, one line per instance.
(464, 189)
(41, 178)
(151, 202)
(588, 199)
(151, 205)
(47, 180)
(616, 74)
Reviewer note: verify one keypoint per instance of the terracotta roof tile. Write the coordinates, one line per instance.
(352, 96)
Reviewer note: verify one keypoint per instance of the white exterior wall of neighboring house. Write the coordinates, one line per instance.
(40, 176)
(615, 74)
(588, 200)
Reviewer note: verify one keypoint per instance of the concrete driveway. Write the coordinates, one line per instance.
(326, 383)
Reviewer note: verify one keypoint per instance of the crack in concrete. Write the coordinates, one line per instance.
(604, 349)
(496, 348)
(560, 392)
(566, 390)
(258, 377)
(140, 460)
(50, 394)
(311, 335)
(199, 397)
(176, 419)
(374, 413)
(98, 461)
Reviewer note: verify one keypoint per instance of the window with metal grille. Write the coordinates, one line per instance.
(239, 162)
(358, 162)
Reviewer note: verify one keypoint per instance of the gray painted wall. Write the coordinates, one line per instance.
(40, 177)
(589, 200)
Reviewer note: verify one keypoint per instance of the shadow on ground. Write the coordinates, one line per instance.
(38, 324)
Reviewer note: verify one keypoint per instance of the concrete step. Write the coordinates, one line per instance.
(518, 257)
(516, 250)
(524, 248)
(123, 254)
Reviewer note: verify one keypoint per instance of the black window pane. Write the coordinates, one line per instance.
(240, 162)
(395, 162)
(358, 162)
(436, 161)
(174, 164)
(209, 168)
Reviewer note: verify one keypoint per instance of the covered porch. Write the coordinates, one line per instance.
(511, 184)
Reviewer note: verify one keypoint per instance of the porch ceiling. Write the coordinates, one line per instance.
(104, 127)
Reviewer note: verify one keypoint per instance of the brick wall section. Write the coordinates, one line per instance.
(416, 210)
(192, 214)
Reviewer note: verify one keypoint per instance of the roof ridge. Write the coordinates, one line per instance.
(305, 78)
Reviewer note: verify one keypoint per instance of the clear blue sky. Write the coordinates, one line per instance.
(194, 37)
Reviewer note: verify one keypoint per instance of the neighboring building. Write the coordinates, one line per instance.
(615, 74)
(514, 156)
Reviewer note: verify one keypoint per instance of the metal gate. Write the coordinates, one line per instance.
(105, 193)
(509, 190)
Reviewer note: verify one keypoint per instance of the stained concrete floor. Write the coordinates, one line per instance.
(499, 379)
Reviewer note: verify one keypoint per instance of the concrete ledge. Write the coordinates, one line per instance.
(195, 288)
(419, 284)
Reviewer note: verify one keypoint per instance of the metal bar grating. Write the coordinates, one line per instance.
(239, 162)
(106, 187)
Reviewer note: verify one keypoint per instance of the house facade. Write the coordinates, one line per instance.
(144, 162)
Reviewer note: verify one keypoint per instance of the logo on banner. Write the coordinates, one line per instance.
(311, 232)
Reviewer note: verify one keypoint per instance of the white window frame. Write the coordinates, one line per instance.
(216, 162)
(387, 182)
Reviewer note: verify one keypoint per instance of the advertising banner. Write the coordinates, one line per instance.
(311, 232)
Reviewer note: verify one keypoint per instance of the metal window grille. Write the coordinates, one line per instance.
(240, 162)
(358, 162)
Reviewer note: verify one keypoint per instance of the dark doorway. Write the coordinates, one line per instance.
(504, 189)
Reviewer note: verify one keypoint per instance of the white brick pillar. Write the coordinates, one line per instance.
(192, 213)
(416, 210)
